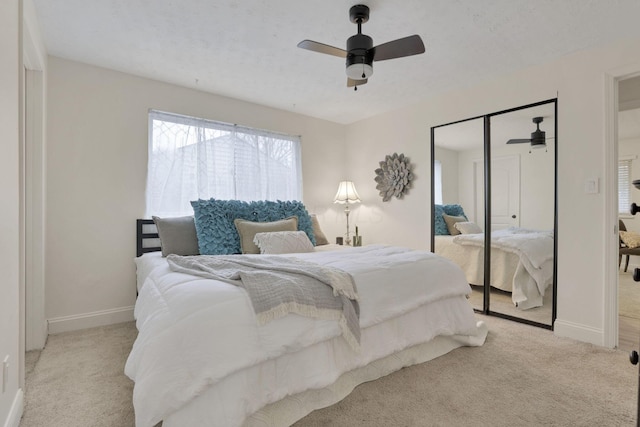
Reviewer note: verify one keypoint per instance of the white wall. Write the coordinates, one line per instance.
(449, 161)
(96, 174)
(578, 81)
(10, 400)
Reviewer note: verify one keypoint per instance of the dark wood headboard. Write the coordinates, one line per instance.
(143, 238)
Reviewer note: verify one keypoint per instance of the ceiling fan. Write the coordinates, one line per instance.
(537, 140)
(361, 53)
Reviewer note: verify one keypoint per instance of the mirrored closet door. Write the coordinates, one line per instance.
(458, 177)
(504, 182)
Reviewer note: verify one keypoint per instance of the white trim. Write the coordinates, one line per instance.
(611, 242)
(580, 332)
(610, 291)
(17, 408)
(90, 320)
(628, 157)
(35, 322)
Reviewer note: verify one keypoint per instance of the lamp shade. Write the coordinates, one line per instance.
(346, 193)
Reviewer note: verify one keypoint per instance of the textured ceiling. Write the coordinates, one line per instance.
(247, 49)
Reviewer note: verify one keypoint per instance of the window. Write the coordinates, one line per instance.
(437, 182)
(624, 186)
(191, 158)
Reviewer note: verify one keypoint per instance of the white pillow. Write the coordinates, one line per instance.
(283, 242)
(467, 227)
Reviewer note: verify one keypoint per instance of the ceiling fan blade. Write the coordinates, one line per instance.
(407, 46)
(351, 82)
(518, 141)
(322, 48)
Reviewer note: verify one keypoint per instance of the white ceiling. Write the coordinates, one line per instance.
(246, 49)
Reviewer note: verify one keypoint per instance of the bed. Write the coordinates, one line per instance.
(521, 261)
(201, 358)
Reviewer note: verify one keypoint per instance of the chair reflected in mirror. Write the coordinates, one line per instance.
(625, 248)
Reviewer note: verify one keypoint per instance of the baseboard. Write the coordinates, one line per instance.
(90, 320)
(15, 414)
(579, 332)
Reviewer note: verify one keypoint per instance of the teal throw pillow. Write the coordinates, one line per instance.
(217, 233)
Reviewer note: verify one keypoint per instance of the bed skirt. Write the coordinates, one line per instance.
(293, 408)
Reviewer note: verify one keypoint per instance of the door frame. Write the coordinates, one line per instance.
(34, 327)
(610, 229)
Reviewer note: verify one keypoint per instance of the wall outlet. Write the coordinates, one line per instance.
(5, 373)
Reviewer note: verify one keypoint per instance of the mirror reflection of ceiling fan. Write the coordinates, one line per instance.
(361, 53)
(538, 138)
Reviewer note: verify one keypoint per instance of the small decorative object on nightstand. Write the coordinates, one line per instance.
(357, 239)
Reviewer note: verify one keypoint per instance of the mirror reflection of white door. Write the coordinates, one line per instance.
(505, 192)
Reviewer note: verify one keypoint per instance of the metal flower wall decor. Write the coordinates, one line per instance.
(394, 176)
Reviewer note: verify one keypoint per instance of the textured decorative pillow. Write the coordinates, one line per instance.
(283, 242)
(467, 227)
(440, 227)
(321, 239)
(453, 210)
(177, 235)
(217, 234)
(248, 229)
(451, 221)
(630, 238)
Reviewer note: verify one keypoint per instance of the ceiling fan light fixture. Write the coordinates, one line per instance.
(538, 145)
(359, 71)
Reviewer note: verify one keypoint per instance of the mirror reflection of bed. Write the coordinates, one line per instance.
(522, 189)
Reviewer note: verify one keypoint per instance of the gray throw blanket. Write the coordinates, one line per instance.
(280, 285)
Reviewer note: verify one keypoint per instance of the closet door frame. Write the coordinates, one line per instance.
(486, 309)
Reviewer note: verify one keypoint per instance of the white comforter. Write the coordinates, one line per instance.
(194, 332)
(535, 251)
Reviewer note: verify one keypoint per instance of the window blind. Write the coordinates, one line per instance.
(624, 186)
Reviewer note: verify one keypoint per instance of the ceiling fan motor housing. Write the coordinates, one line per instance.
(538, 137)
(359, 57)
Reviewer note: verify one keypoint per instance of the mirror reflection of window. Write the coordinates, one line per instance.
(437, 182)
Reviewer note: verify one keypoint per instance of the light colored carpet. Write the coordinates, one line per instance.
(78, 379)
(522, 376)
